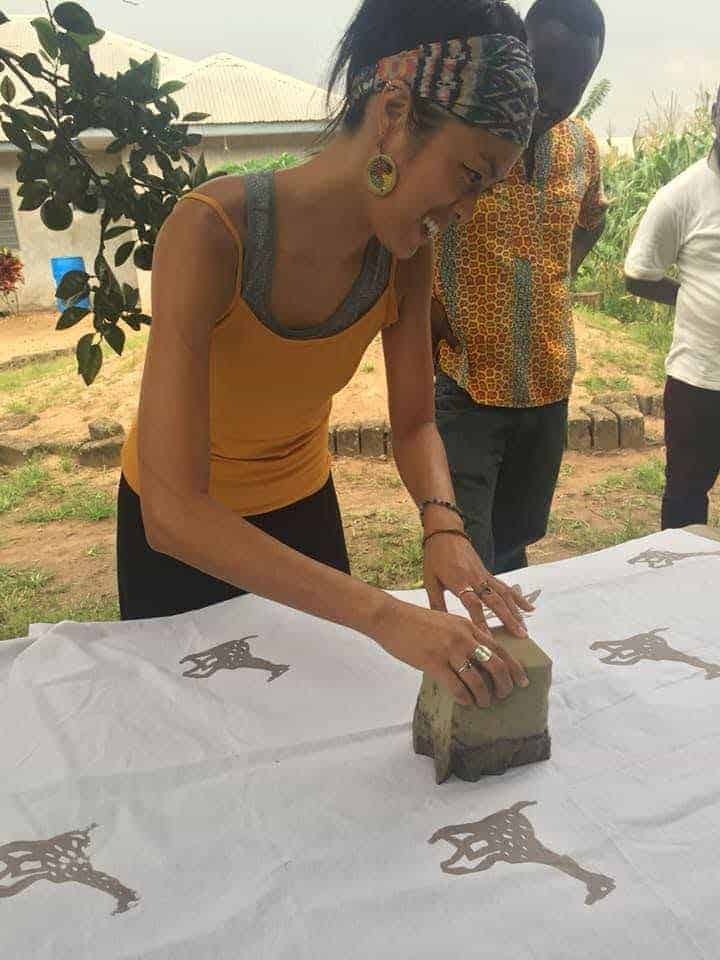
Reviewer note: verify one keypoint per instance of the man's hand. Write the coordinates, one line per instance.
(441, 329)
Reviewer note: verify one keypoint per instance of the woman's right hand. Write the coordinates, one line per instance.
(440, 643)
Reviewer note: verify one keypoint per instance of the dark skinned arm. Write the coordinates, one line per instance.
(583, 242)
(659, 291)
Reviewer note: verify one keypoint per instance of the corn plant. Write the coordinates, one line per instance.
(631, 183)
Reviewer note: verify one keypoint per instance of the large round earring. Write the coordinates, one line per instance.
(382, 174)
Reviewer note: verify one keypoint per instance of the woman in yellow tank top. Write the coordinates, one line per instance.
(267, 291)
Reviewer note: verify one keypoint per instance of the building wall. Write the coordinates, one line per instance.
(38, 244)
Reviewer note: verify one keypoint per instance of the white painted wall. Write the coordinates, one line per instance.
(38, 244)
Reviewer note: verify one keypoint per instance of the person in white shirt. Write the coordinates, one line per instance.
(681, 228)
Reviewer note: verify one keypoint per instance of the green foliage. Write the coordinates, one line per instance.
(33, 595)
(57, 178)
(18, 484)
(649, 476)
(257, 165)
(631, 183)
(78, 501)
(597, 95)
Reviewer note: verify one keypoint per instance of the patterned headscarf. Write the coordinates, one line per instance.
(487, 81)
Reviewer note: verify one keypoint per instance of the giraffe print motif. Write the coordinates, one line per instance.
(650, 647)
(509, 837)
(233, 655)
(60, 859)
(660, 559)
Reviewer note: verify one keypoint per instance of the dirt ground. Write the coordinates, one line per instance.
(64, 405)
(601, 500)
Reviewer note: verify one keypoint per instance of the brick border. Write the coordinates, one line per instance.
(15, 363)
(592, 428)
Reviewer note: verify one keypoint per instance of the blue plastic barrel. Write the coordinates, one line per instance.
(62, 265)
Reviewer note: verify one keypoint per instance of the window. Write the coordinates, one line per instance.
(8, 228)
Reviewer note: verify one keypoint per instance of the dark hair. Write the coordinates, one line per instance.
(381, 28)
(584, 18)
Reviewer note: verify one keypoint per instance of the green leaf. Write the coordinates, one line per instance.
(46, 36)
(34, 195)
(200, 174)
(7, 90)
(116, 232)
(75, 182)
(32, 167)
(85, 40)
(74, 18)
(154, 70)
(132, 321)
(172, 86)
(37, 137)
(15, 135)
(89, 203)
(143, 257)
(40, 122)
(70, 317)
(195, 117)
(31, 64)
(56, 167)
(115, 336)
(74, 282)
(131, 296)
(108, 303)
(4, 18)
(82, 349)
(89, 357)
(115, 147)
(123, 252)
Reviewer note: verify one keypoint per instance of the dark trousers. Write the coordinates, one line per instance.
(692, 439)
(151, 584)
(504, 464)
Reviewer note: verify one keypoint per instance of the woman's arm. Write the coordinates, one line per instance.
(195, 261)
(450, 562)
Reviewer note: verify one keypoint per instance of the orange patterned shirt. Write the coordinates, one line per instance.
(504, 278)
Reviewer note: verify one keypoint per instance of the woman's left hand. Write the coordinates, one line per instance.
(451, 564)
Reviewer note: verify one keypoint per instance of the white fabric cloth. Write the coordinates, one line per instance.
(682, 227)
(248, 817)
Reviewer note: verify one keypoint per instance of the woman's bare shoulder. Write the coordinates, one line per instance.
(229, 192)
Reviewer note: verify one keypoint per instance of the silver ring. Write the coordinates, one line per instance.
(466, 666)
(481, 654)
(485, 588)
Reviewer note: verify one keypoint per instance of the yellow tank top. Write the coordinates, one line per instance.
(271, 390)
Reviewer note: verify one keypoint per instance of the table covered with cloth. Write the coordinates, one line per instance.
(240, 783)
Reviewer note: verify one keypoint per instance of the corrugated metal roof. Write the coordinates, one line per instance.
(231, 90)
(110, 55)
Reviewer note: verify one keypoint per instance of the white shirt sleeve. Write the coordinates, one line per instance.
(658, 240)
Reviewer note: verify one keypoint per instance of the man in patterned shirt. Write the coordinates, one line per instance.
(502, 318)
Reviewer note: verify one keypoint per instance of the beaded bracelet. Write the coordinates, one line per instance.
(452, 533)
(433, 502)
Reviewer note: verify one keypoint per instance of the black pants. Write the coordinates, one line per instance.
(151, 584)
(692, 439)
(504, 464)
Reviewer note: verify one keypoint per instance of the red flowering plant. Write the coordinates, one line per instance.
(11, 275)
